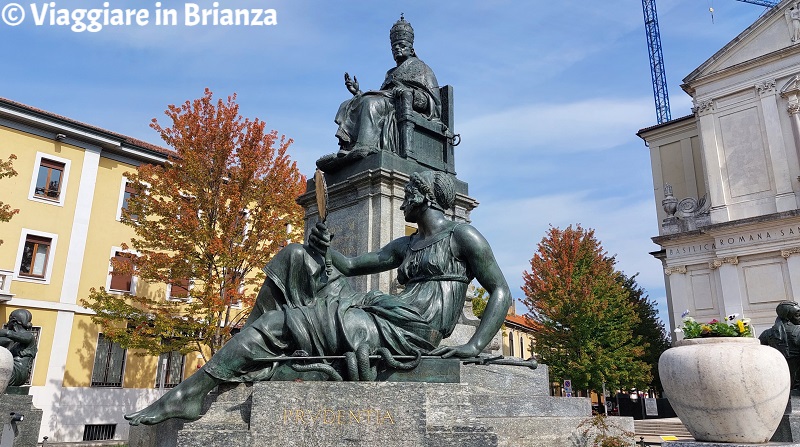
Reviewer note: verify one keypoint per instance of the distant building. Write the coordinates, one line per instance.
(70, 190)
(519, 335)
(727, 178)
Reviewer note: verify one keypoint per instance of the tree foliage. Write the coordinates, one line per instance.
(479, 300)
(650, 329)
(214, 213)
(585, 315)
(7, 170)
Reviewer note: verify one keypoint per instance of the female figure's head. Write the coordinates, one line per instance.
(428, 188)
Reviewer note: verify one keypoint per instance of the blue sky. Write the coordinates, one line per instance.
(548, 95)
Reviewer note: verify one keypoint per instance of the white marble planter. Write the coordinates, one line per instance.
(726, 389)
(6, 368)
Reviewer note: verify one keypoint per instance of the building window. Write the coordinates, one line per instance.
(170, 369)
(511, 344)
(109, 363)
(126, 192)
(35, 255)
(50, 179)
(521, 348)
(36, 331)
(179, 289)
(121, 282)
(234, 288)
(99, 432)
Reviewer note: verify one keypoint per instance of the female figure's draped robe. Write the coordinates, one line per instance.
(315, 310)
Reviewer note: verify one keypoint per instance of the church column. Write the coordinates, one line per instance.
(793, 263)
(791, 91)
(731, 285)
(785, 199)
(678, 294)
(704, 110)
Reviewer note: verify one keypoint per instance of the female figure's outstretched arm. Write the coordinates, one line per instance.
(470, 246)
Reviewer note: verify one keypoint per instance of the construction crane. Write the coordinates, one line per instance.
(657, 72)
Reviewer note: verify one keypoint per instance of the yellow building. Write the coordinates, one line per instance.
(70, 189)
(519, 335)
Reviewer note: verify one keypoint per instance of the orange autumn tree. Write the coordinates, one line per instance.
(7, 170)
(585, 316)
(205, 223)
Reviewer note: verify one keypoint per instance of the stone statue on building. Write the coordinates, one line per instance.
(21, 342)
(368, 122)
(784, 336)
(792, 16)
(306, 304)
(688, 214)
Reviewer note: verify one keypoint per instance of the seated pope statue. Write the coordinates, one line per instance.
(303, 305)
(367, 121)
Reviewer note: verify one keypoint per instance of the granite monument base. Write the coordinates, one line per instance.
(491, 405)
(19, 418)
(789, 428)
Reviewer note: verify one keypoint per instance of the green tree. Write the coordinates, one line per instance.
(214, 213)
(7, 170)
(585, 315)
(479, 300)
(650, 329)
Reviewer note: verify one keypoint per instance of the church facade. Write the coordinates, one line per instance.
(726, 179)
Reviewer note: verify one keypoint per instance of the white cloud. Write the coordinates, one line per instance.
(590, 125)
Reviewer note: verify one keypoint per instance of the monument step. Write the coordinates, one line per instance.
(460, 436)
(228, 438)
(661, 427)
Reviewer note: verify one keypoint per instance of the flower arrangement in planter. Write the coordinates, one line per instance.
(718, 360)
(729, 327)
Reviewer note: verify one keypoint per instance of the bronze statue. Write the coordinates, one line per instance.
(368, 121)
(784, 336)
(20, 341)
(303, 307)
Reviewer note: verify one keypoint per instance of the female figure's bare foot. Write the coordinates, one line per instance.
(184, 401)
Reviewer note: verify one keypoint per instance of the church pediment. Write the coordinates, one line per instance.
(778, 30)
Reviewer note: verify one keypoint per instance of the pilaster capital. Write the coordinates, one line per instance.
(717, 263)
(766, 88)
(675, 269)
(787, 252)
(703, 107)
(791, 91)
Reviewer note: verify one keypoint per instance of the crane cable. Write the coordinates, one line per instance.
(711, 10)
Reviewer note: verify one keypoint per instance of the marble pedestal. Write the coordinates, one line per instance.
(364, 209)
(491, 406)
